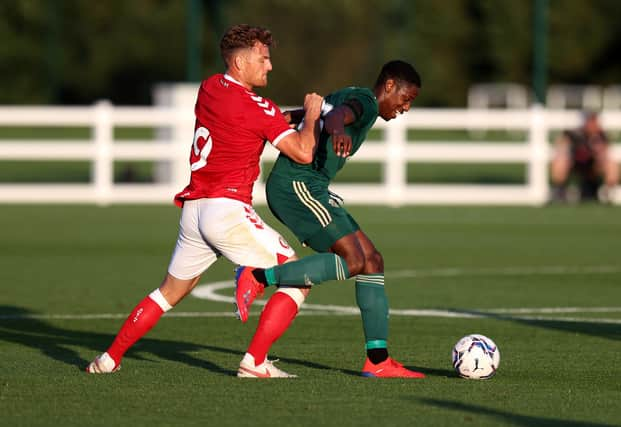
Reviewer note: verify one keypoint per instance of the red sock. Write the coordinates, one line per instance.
(144, 316)
(276, 317)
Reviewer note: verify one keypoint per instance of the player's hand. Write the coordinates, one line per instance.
(341, 143)
(312, 106)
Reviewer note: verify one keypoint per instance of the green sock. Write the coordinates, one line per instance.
(371, 298)
(310, 270)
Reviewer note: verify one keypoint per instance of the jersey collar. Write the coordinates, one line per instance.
(231, 79)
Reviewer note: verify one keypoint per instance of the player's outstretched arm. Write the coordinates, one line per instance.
(300, 146)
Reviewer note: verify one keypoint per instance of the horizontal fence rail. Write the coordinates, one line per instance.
(393, 152)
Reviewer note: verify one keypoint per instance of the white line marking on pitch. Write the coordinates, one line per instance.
(508, 271)
(209, 291)
(348, 312)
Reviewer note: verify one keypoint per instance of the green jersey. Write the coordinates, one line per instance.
(298, 194)
(326, 163)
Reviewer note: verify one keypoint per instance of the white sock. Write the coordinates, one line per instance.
(159, 299)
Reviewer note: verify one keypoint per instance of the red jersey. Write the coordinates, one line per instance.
(232, 125)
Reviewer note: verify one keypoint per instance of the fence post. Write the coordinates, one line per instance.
(539, 153)
(395, 165)
(182, 142)
(102, 172)
(181, 97)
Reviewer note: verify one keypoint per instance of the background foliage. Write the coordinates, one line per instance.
(75, 52)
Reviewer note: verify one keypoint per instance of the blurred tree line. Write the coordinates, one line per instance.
(77, 51)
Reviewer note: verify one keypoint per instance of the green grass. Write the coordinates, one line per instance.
(32, 172)
(66, 134)
(82, 260)
(124, 171)
(438, 173)
(28, 172)
(79, 171)
(419, 173)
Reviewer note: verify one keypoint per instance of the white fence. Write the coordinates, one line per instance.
(394, 152)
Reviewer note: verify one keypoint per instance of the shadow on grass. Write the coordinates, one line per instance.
(503, 416)
(20, 326)
(611, 331)
(289, 360)
(446, 373)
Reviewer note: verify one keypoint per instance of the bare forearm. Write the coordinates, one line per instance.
(308, 137)
(334, 125)
(335, 122)
(300, 146)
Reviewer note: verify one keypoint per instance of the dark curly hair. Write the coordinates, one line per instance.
(243, 36)
(401, 72)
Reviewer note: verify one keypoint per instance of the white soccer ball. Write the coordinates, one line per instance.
(476, 356)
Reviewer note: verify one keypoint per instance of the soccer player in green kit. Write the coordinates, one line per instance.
(298, 196)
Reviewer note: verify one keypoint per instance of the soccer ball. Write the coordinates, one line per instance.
(476, 357)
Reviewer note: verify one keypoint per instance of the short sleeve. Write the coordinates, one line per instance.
(267, 119)
(365, 100)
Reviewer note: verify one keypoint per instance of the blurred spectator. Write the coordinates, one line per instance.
(585, 154)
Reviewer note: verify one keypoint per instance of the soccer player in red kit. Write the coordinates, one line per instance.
(217, 218)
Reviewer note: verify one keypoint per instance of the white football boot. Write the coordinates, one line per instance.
(247, 369)
(103, 364)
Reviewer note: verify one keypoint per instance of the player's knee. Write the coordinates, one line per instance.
(355, 263)
(374, 263)
(174, 289)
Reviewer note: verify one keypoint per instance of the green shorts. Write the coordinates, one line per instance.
(307, 208)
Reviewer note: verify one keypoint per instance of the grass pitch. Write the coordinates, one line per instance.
(544, 283)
